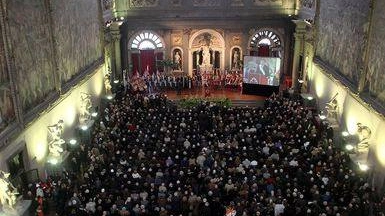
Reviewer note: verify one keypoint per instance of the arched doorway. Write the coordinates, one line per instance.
(265, 43)
(206, 51)
(147, 51)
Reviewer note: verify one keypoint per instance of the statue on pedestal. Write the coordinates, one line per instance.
(7, 191)
(85, 108)
(55, 145)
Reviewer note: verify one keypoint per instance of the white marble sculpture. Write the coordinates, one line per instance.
(85, 108)
(364, 134)
(56, 142)
(7, 191)
(107, 84)
(332, 107)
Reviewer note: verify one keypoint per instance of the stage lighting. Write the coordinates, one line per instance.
(349, 147)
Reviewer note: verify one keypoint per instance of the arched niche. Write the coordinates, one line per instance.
(206, 51)
(177, 58)
(236, 58)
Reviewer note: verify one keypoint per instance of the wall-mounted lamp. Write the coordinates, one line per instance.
(363, 167)
(73, 141)
(345, 133)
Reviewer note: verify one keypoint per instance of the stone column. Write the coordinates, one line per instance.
(186, 53)
(116, 60)
(299, 36)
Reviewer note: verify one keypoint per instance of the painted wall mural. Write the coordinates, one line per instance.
(7, 111)
(78, 35)
(375, 77)
(206, 3)
(144, 3)
(3, 64)
(342, 26)
(266, 2)
(32, 50)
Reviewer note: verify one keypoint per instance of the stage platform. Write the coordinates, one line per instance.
(233, 95)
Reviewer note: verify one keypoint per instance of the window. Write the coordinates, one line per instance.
(146, 40)
(265, 37)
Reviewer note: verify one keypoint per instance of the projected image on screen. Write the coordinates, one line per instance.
(261, 70)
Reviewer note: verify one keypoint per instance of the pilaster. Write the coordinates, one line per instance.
(116, 56)
(299, 43)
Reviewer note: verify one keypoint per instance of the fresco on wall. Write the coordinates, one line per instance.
(206, 3)
(342, 25)
(375, 75)
(32, 50)
(144, 3)
(107, 4)
(267, 2)
(7, 111)
(308, 4)
(78, 35)
(3, 63)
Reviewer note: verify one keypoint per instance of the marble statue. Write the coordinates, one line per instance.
(364, 134)
(206, 55)
(332, 108)
(85, 108)
(236, 59)
(7, 191)
(55, 146)
(178, 60)
(107, 84)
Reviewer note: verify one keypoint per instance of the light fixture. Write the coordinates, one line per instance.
(322, 117)
(94, 114)
(109, 97)
(345, 133)
(363, 167)
(116, 81)
(310, 98)
(121, 18)
(301, 81)
(53, 161)
(349, 147)
(73, 141)
(84, 127)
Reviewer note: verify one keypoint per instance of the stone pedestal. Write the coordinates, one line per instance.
(84, 131)
(21, 209)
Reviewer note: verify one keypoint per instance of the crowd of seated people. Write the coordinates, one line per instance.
(148, 157)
